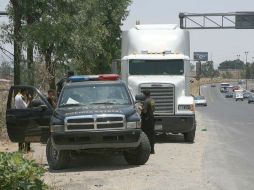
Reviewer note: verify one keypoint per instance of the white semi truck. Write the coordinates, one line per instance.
(157, 58)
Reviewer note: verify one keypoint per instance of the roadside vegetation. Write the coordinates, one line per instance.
(18, 173)
(3, 102)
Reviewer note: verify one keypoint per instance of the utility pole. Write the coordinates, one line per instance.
(252, 69)
(246, 56)
(238, 73)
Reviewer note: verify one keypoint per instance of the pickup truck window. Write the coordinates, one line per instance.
(94, 94)
(156, 67)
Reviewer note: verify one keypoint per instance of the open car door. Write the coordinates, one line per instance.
(30, 124)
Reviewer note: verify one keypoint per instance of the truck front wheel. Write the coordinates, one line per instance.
(140, 155)
(190, 136)
(57, 159)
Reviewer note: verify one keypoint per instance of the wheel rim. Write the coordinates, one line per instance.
(54, 153)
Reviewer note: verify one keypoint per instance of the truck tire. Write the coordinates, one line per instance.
(190, 136)
(57, 159)
(140, 155)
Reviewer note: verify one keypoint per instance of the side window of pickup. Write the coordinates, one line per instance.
(25, 98)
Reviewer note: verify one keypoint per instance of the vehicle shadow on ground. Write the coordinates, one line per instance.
(95, 162)
(170, 138)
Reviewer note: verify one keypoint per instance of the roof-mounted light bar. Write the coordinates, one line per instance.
(109, 77)
(102, 77)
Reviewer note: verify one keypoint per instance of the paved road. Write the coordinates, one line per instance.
(229, 155)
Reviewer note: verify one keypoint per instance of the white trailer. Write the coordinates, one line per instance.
(157, 58)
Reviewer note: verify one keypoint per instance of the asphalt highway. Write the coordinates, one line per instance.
(229, 154)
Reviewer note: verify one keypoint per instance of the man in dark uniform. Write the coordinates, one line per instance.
(60, 84)
(147, 117)
(51, 98)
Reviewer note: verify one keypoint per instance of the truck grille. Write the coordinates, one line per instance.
(163, 95)
(94, 122)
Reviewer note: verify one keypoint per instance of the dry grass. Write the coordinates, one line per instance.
(3, 102)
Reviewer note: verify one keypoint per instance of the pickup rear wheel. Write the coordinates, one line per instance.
(140, 155)
(190, 136)
(57, 159)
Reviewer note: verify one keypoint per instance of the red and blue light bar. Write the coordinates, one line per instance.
(102, 77)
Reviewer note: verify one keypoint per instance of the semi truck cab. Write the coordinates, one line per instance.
(156, 58)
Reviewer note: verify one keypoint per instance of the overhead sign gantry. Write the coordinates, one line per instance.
(3, 13)
(233, 20)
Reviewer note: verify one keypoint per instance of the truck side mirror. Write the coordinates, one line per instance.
(140, 98)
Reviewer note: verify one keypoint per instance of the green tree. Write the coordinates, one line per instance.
(81, 34)
(207, 69)
(236, 64)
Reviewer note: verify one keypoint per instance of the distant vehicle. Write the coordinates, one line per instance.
(224, 84)
(224, 87)
(213, 85)
(238, 95)
(241, 82)
(246, 94)
(236, 88)
(251, 99)
(229, 95)
(200, 101)
(252, 90)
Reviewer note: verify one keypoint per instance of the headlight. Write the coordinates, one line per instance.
(190, 107)
(133, 125)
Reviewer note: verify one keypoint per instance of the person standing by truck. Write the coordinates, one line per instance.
(52, 98)
(22, 101)
(60, 84)
(147, 117)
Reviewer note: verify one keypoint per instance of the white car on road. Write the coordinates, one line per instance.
(200, 101)
(238, 95)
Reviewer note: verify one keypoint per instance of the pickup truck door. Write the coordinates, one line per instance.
(29, 124)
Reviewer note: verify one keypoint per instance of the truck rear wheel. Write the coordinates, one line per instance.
(57, 159)
(190, 136)
(140, 155)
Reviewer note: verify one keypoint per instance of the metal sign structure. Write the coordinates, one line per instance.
(3, 13)
(234, 20)
(200, 56)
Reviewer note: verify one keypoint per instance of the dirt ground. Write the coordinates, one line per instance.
(176, 165)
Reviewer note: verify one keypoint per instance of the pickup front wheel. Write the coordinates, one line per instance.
(140, 155)
(57, 159)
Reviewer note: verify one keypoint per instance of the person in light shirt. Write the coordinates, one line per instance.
(20, 101)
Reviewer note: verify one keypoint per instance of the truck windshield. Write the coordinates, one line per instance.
(156, 67)
(94, 94)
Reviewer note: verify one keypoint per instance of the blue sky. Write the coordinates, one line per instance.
(221, 44)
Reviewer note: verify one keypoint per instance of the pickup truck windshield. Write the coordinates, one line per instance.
(102, 94)
(156, 67)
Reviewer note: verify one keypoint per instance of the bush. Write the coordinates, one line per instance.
(18, 173)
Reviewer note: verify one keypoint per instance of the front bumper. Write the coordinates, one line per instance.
(175, 123)
(120, 139)
(201, 104)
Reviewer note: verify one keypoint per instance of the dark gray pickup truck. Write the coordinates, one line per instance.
(96, 115)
